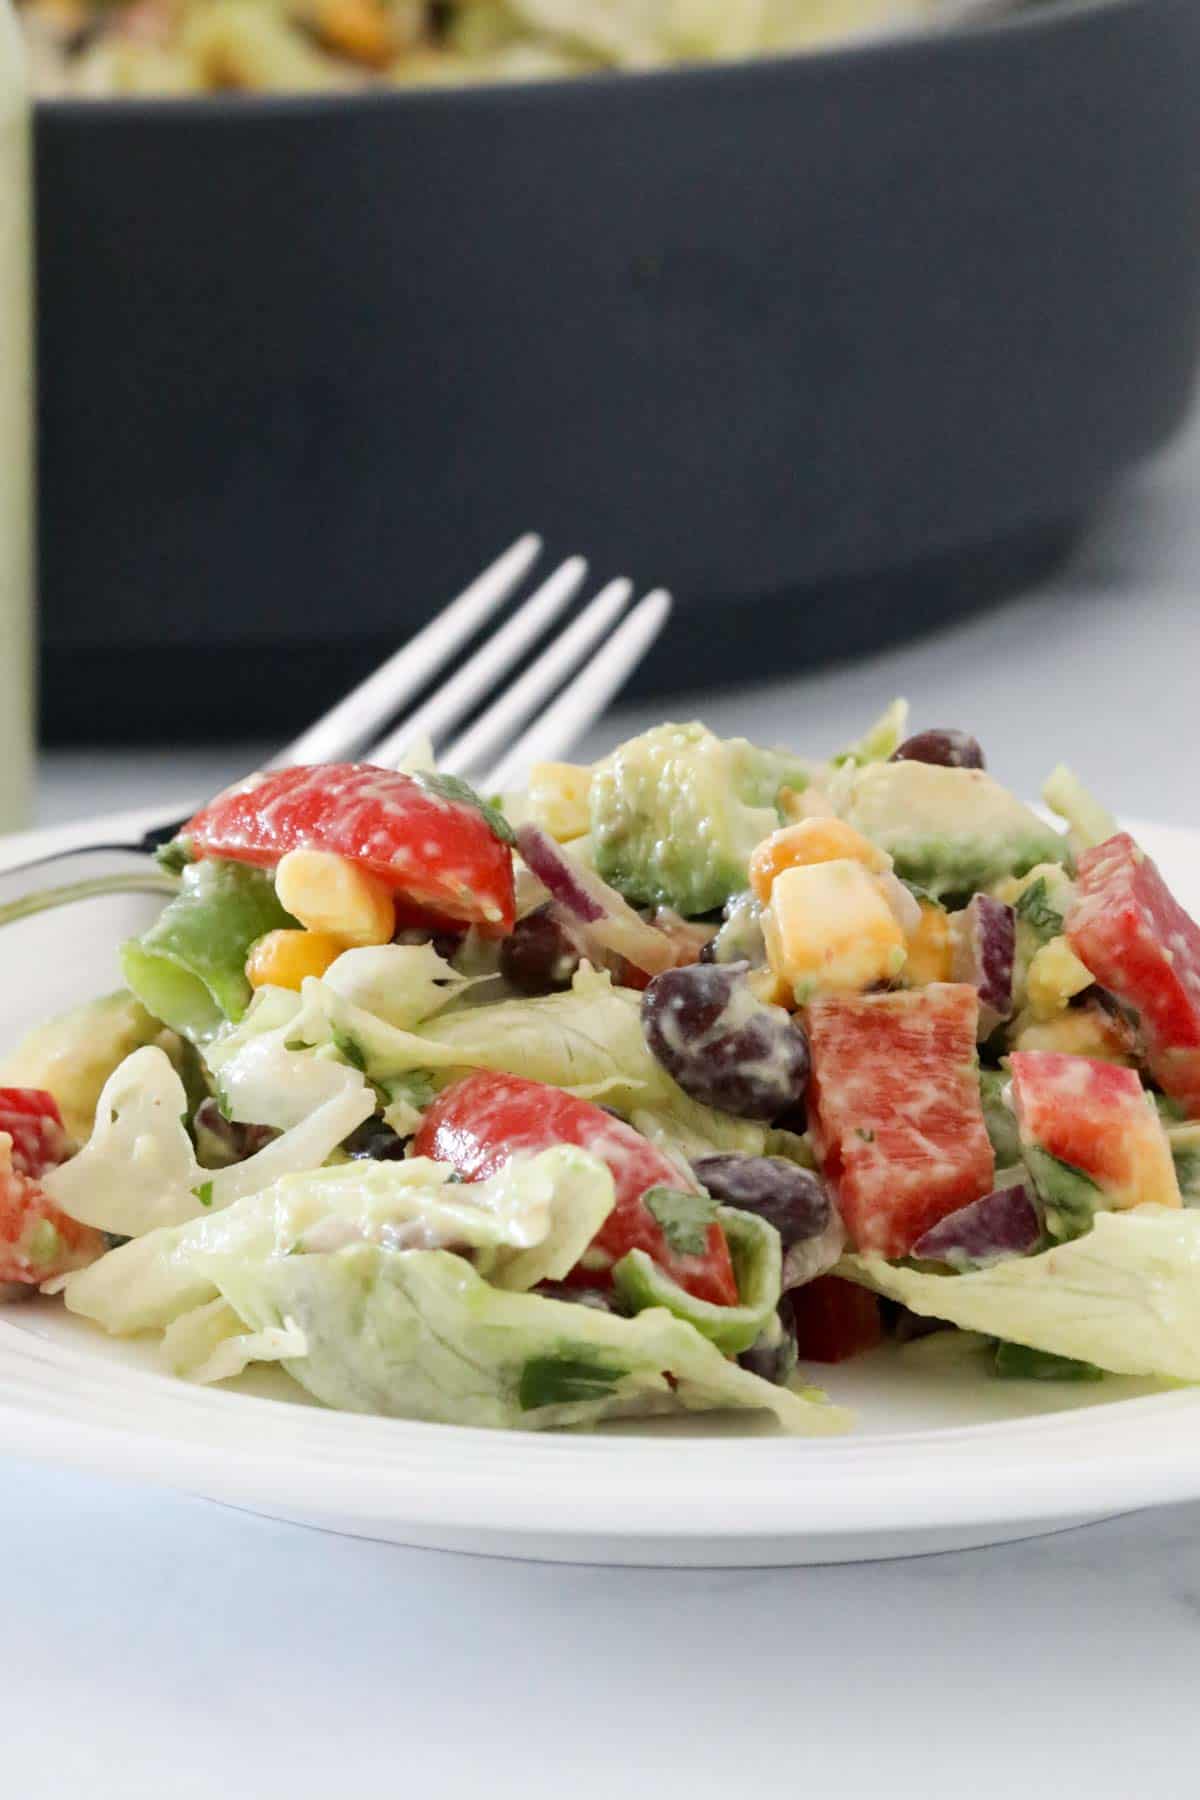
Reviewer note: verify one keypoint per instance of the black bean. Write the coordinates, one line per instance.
(540, 956)
(774, 1353)
(373, 1141)
(722, 1044)
(794, 1200)
(948, 749)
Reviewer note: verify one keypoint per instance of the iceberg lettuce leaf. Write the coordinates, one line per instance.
(211, 1343)
(529, 1223)
(422, 1336)
(138, 1171)
(1126, 1296)
(402, 984)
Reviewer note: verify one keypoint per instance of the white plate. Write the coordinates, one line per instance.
(944, 1458)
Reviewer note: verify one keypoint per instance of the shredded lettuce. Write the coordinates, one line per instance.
(288, 1050)
(1089, 822)
(880, 739)
(138, 1170)
(1125, 1296)
(368, 1284)
(211, 1343)
(587, 1040)
(422, 1336)
(529, 1223)
(402, 984)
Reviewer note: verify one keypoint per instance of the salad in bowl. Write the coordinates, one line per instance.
(653, 1088)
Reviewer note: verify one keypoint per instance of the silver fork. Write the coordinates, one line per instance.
(561, 693)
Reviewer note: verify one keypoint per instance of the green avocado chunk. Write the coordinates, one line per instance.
(950, 831)
(676, 813)
(1070, 1198)
(998, 1118)
(1184, 1139)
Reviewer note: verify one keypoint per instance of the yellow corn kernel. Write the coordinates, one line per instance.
(930, 948)
(810, 841)
(1055, 976)
(829, 929)
(328, 893)
(285, 958)
(558, 799)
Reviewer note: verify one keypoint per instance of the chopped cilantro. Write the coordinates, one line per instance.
(685, 1218)
(1034, 907)
(204, 1193)
(561, 1380)
(452, 787)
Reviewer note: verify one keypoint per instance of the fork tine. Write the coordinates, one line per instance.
(485, 668)
(360, 711)
(580, 705)
(540, 681)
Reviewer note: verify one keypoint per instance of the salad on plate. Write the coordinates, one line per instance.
(653, 1088)
(98, 49)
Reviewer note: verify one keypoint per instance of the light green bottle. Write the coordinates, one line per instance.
(16, 435)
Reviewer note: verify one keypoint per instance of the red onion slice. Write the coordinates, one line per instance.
(1003, 1224)
(610, 922)
(985, 941)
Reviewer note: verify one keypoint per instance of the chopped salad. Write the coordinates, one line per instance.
(654, 1087)
(98, 48)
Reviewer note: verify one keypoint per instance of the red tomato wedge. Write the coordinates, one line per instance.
(835, 1320)
(479, 1123)
(895, 1112)
(1097, 1118)
(36, 1239)
(435, 852)
(1138, 942)
(33, 1122)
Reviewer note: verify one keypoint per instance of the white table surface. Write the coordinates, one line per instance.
(158, 1646)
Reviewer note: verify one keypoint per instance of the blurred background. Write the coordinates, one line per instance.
(869, 327)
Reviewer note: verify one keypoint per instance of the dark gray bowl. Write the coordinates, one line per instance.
(750, 331)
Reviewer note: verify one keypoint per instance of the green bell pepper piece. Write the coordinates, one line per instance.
(757, 1255)
(189, 968)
